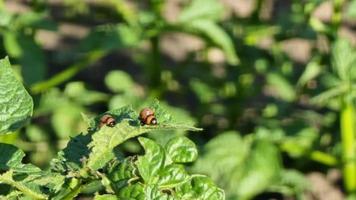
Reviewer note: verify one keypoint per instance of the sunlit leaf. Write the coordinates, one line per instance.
(344, 59)
(200, 187)
(172, 175)
(181, 150)
(128, 126)
(152, 162)
(12, 115)
(105, 197)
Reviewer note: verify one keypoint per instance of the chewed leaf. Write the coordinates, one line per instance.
(120, 114)
(30, 189)
(11, 158)
(162, 115)
(33, 182)
(16, 104)
(105, 139)
(73, 155)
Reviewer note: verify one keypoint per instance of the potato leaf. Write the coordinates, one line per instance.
(181, 150)
(152, 162)
(128, 126)
(13, 115)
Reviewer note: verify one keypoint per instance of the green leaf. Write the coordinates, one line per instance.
(241, 166)
(5, 18)
(181, 150)
(102, 141)
(66, 119)
(71, 157)
(200, 187)
(256, 33)
(216, 35)
(202, 9)
(344, 59)
(105, 197)
(80, 94)
(295, 180)
(16, 104)
(132, 192)
(152, 162)
(329, 94)
(27, 178)
(32, 60)
(281, 85)
(262, 169)
(119, 81)
(30, 55)
(224, 159)
(11, 157)
(11, 44)
(52, 181)
(172, 176)
(123, 170)
(35, 20)
(110, 37)
(68, 191)
(153, 193)
(107, 138)
(29, 189)
(202, 91)
(312, 70)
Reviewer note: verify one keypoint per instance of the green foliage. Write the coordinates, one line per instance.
(158, 174)
(159, 168)
(277, 71)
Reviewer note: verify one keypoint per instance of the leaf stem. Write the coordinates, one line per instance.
(323, 158)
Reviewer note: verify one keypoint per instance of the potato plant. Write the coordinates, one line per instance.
(92, 165)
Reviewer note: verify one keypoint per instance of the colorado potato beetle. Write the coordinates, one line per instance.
(107, 120)
(147, 116)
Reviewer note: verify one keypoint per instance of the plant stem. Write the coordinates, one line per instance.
(67, 73)
(347, 121)
(323, 158)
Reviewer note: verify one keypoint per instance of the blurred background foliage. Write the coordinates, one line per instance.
(268, 80)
